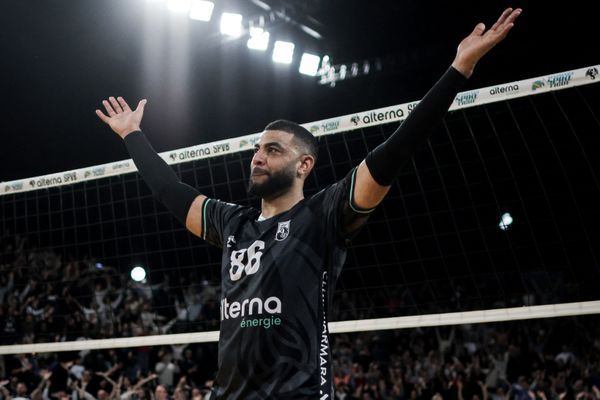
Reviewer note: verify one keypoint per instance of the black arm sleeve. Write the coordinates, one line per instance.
(388, 158)
(162, 180)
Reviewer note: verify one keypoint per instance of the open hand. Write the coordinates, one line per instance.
(121, 118)
(479, 42)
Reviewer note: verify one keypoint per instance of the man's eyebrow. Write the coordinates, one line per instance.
(270, 144)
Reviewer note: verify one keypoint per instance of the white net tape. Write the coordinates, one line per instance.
(457, 318)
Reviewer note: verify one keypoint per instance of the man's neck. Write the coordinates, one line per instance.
(280, 204)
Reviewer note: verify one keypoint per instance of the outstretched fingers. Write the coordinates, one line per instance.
(507, 21)
(123, 104)
(502, 18)
(115, 104)
(109, 110)
(103, 116)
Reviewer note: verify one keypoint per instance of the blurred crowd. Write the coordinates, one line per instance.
(44, 298)
(550, 359)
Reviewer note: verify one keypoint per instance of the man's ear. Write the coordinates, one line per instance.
(305, 165)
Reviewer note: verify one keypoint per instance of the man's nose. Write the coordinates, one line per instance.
(258, 158)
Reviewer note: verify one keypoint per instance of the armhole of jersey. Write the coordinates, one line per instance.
(355, 208)
(203, 222)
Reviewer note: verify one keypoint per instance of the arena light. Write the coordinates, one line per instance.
(343, 71)
(259, 39)
(179, 6)
(138, 274)
(505, 221)
(202, 10)
(283, 52)
(309, 64)
(231, 24)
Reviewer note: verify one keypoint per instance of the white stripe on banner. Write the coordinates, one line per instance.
(471, 98)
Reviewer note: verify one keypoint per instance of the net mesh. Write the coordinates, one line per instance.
(437, 244)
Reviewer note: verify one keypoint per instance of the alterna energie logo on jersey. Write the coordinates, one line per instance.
(252, 312)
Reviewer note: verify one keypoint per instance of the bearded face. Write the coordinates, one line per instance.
(265, 184)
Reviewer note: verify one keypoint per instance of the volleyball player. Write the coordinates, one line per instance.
(280, 263)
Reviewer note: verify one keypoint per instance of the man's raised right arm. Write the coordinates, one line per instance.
(182, 200)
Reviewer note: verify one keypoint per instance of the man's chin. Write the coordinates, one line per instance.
(265, 191)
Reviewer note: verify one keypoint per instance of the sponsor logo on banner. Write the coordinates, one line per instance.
(93, 172)
(592, 73)
(220, 148)
(327, 126)
(466, 98)
(330, 125)
(120, 165)
(72, 176)
(43, 182)
(538, 84)
(249, 142)
(14, 186)
(506, 89)
(355, 120)
(254, 140)
(380, 116)
(412, 106)
(188, 154)
(559, 80)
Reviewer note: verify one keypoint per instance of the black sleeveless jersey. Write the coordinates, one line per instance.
(278, 276)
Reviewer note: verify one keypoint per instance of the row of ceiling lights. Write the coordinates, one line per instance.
(232, 25)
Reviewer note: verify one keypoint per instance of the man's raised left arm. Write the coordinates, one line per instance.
(377, 171)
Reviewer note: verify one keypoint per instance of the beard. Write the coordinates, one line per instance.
(275, 183)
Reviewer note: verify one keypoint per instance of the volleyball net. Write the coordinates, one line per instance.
(495, 219)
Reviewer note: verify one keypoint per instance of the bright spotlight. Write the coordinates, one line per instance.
(138, 274)
(231, 24)
(255, 31)
(259, 39)
(179, 6)
(202, 10)
(506, 221)
(283, 52)
(343, 71)
(309, 64)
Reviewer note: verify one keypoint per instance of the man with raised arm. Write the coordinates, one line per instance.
(280, 263)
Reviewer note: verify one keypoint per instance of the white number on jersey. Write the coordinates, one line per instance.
(252, 264)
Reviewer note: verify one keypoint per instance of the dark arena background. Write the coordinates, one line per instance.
(477, 277)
